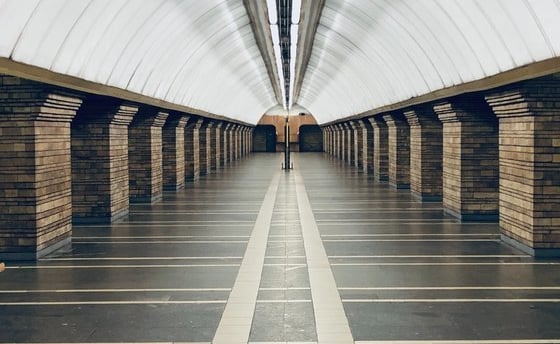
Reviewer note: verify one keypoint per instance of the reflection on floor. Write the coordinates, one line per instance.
(404, 271)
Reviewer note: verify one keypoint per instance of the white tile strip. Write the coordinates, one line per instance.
(330, 319)
(235, 325)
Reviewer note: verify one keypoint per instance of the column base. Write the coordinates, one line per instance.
(173, 187)
(100, 219)
(146, 199)
(381, 179)
(473, 217)
(400, 186)
(535, 252)
(426, 198)
(7, 256)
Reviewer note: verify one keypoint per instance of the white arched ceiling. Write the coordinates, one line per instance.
(371, 53)
(197, 53)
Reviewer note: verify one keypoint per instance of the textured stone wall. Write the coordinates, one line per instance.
(529, 115)
(192, 149)
(35, 167)
(380, 148)
(174, 152)
(470, 159)
(426, 153)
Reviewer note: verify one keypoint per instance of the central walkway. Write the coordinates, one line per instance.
(319, 254)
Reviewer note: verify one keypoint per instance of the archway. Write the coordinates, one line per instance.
(310, 138)
(264, 138)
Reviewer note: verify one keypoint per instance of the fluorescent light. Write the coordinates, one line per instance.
(275, 34)
(272, 12)
(293, 57)
(296, 11)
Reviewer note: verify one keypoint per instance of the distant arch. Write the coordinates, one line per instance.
(264, 138)
(310, 138)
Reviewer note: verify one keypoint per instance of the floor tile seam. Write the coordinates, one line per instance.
(243, 297)
(327, 304)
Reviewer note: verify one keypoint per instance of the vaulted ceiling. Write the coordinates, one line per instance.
(215, 55)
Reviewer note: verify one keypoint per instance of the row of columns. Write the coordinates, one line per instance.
(74, 158)
(486, 156)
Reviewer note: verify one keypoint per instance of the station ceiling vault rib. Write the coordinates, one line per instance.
(216, 55)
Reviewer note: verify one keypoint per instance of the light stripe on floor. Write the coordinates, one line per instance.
(469, 341)
(330, 318)
(235, 324)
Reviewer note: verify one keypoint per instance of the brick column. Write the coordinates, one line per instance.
(349, 135)
(380, 148)
(426, 153)
(100, 183)
(174, 152)
(206, 138)
(224, 156)
(470, 159)
(367, 154)
(216, 148)
(399, 150)
(192, 149)
(233, 143)
(529, 118)
(251, 134)
(145, 168)
(35, 175)
(357, 128)
(341, 142)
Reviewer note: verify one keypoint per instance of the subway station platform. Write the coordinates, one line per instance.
(252, 253)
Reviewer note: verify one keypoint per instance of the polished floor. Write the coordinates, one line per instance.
(319, 254)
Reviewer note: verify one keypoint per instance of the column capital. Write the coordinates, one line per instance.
(26, 99)
(99, 109)
(395, 119)
(468, 108)
(536, 97)
(377, 122)
(422, 115)
(150, 117)
(176, 121)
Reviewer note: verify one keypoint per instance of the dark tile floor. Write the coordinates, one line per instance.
(404, 270)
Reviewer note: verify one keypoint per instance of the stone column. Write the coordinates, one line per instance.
(367, 154)
(35, 175)
(145, 168)
(426, 153)
(174, 152)
(202, 153)
(192, 149)
(341, 142)
(242, 133)
(349, 133)
(251, 134)
(399, 150)
(357, 128)
(470, 159)
(216, 149)
(206, 138)
(100, 182)
(328, 140)
(233, 143)
(380, 148)
(225, 144)
(529, 118)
